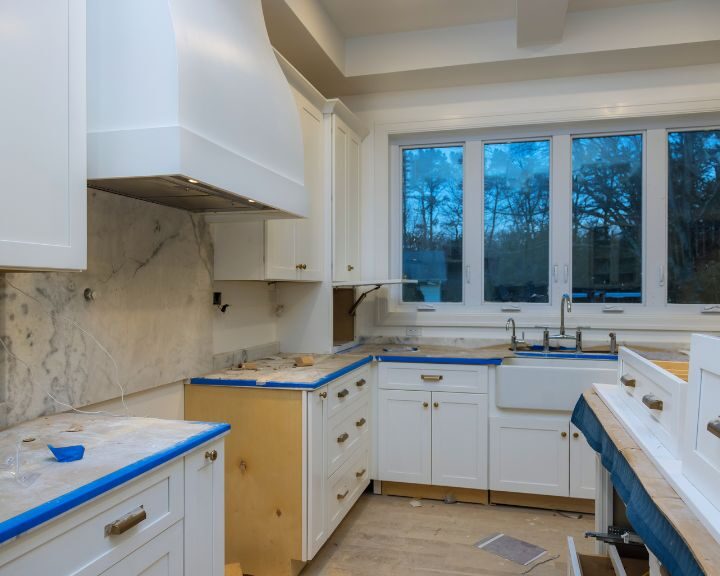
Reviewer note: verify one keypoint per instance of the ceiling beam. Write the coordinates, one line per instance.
(540, 21)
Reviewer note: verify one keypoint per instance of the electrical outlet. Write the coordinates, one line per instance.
(413, 331)
(217, 298)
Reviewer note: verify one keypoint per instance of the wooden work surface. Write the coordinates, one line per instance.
(700, 542)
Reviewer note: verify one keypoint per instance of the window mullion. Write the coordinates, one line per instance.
(655, 268)
(561, 218)
(473, 228)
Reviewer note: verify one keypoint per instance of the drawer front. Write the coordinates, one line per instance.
(434, 377)
(348, 390)
(701, 447)
(346, 431)
(656, 396)
(84, 542)
(346, 485)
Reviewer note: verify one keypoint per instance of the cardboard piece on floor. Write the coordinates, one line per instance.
(510, 548)
(301, 361)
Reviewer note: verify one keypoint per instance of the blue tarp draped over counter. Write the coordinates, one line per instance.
(646, 518)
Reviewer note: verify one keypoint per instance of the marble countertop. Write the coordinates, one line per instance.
(484, 354)
(280, 372)
(117, 449)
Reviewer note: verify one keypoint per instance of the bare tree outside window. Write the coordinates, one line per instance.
(694, 217)
(517, 221)
(433, 223)
(607, 179)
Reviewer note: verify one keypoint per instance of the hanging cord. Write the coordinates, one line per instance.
(73, 323)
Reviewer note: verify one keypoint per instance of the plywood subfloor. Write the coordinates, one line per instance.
(385, 536)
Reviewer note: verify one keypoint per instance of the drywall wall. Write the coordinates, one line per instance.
(151, 269)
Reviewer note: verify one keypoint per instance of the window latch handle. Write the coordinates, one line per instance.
(661, 276)
(714, 309)
(555, 273)
(565, 273)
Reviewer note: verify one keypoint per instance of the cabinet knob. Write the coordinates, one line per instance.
(344, 436)
(576, 435)
(563, 434)
(323, 394)
(350, 268)
(425, 404)
(211, 455)
(304, 266)
(436, 404)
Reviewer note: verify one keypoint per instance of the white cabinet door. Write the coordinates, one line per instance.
(459, 440)
(405, 436)
(43, 222)
(346, 202)
(310, 232)
(280, 260)
(582, 466)
(162, 556)
(317, 528)
(530, 455)
(205, 511)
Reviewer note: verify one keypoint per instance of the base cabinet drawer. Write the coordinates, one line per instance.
(348, 390)
(346, 485)
(94, 537)
(611, 565)
(433, 377)
(701, 444)
(162, 556)
(345, 433)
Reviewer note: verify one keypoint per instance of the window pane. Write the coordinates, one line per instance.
(433, 223)
(517, 218)
(694, 217)
(607, 218)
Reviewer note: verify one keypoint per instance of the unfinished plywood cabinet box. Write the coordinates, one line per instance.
(297, 461)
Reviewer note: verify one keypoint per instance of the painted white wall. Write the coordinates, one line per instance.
(616, 97)
(317, 21)
(162, 402)
(249, 321)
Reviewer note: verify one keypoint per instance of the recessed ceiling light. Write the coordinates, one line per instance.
(192, 181)
(251, 201)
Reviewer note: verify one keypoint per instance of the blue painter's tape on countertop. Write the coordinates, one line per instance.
(40, 514)
(281, 384)
(440, 360)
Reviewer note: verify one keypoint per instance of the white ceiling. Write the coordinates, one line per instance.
(372, 17)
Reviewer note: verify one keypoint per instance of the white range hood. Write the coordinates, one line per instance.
(188, 107)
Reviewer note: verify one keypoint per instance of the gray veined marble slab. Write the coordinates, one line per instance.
(151, 269)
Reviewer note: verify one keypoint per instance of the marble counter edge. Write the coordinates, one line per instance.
(50, 510)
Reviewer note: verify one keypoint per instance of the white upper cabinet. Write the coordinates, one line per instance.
(288, 249)
(346, 201)
(43, 223)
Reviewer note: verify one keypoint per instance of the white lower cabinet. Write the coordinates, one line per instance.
(530, 455)
(405, 436)
(177, 527)
(459, 440)
(540, 455)
(437, 438)
(583, 463)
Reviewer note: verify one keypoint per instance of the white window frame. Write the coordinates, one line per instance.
(654, 313)
(513, 307)
(619, 308)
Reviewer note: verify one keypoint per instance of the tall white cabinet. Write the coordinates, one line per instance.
(42, 140)
(346, 201)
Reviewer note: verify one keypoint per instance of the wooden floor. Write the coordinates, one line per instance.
(384, 536)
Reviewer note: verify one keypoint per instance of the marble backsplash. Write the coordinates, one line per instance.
(151, 270)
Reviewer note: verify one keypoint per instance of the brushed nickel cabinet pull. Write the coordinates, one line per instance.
(360, 383)
(122, 525)
(343, 495)
(652, 402)
(627, 381)
(344, 436)
(360, 423)
(714, 427)
(360, 473)
(211, 455)
(431, 377)
(344, 392)
(323, 394)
